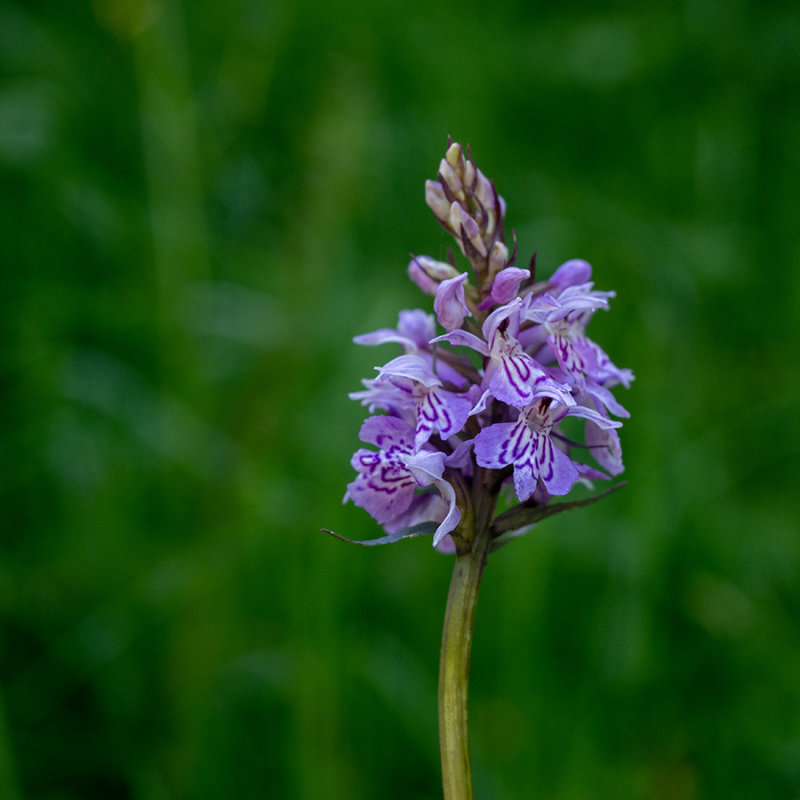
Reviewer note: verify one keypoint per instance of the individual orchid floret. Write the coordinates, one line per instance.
(450, 303)
(571, 273)
(382, 395)
(415, 332)
(605, 447)
(499, 258)
(516, 378)
(388, 479)
(415, 329)
(437, 409)
(437, 201)
(578, 355)
(505, 286)
(527, 444)
(428, 273)
(602, 440)
(564, 319)
(512, 376)
(466, 230)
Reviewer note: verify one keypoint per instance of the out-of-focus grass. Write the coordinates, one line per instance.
(203, 203)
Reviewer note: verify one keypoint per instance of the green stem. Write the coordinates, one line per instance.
(454, 668)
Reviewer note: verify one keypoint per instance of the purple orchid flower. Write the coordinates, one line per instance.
(512, 375)
(414, 330)
(527, 444)
(564, 317)
(505, 286)
(436, 407)
(388, 479)
(428, 273)
(602, 440)
(382, 395)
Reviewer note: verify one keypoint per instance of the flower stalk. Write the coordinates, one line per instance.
(459, 622)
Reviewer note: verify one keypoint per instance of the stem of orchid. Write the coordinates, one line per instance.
(454, 668)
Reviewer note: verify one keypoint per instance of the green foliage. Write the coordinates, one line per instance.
(202, 204)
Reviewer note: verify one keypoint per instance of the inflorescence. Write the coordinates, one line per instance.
(482, 405)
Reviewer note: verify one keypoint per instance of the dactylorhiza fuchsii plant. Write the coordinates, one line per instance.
(471, 418)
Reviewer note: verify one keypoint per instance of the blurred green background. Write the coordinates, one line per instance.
(202, 203)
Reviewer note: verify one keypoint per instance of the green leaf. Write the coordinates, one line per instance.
(423, 529)
(523, 515)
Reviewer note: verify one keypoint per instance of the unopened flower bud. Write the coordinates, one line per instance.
(498, 258)
(506, 284)
(571, 273)
(461, 220)
(461, 184)
(437, 202)
(484, 192)
(449, 303)
(454, 155)
(491, 203)
(470, 176)
(449, 175)
(428, 273)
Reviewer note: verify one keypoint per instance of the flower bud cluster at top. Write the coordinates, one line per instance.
(467, 205)
(450, 429)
